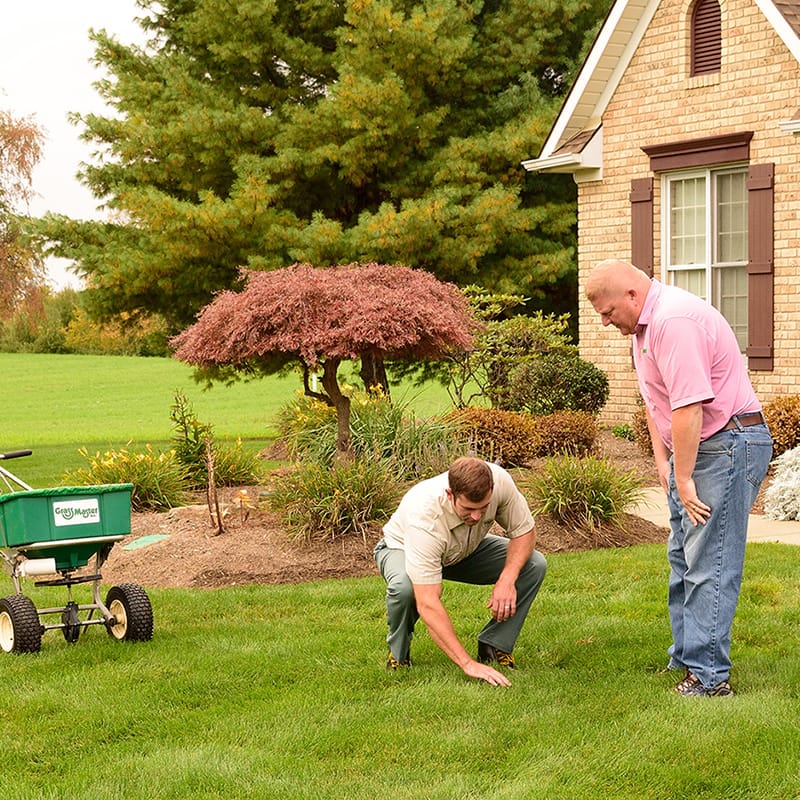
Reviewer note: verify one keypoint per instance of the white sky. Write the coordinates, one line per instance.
(45, 73)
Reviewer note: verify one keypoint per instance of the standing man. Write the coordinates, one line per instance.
(712, 450)
(440, 531)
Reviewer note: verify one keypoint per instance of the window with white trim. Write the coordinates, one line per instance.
(705, 225)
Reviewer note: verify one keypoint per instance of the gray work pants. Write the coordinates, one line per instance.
(482, 567)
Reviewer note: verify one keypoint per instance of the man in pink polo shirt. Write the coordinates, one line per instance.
(712, 450)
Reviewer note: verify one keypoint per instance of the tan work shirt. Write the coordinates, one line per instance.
(433, 536)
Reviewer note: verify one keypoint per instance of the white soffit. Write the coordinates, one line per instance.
(602, 71)
(790, 126)
(605, 65)
(584, 162)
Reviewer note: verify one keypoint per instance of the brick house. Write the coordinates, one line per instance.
(681, 132)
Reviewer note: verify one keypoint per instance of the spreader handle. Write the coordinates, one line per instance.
(16, 454)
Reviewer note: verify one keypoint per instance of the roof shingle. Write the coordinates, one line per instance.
(791, 12)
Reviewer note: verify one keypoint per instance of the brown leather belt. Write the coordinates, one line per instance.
(745, 420)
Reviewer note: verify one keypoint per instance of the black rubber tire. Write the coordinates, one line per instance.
(20, 629)
(71, 623)
(132, 613)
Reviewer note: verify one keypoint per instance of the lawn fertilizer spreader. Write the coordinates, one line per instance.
(48, 532)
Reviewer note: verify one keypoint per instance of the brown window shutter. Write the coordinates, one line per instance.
(760, 268)
(642, 224)
(706, 37)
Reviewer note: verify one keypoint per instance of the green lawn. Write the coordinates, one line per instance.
(56, 404)
(280, 692)
(55, 399)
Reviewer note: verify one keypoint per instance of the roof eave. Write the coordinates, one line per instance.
(584, 165)
(782, 26)
(601, 71)
(791, 126)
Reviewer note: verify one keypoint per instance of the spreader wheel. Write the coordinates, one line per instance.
(71, 624)
(20, 630)
(131, 612)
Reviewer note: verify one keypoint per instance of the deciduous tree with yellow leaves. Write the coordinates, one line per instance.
(21, 266)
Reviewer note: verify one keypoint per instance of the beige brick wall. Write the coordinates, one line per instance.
(656, 102)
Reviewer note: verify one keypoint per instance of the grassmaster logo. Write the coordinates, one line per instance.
(76, 512)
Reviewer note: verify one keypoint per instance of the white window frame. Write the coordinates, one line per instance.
(709, 264)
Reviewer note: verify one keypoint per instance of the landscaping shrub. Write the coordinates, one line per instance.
(556, 381)
(583, 492)
(159, 479)
(423, 448)
(623, 431)
(379, 428)
(504, 437)
(327, 502)
(233, 465)
(565, 432)
(307, 427)
(506, 344)
(782, 496)
(783, 418)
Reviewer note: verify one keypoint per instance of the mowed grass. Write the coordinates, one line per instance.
(73, 399)
(280, 692)
(56, 404)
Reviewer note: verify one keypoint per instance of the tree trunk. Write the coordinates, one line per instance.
(342, 404)
(373, 372)
(309, 392)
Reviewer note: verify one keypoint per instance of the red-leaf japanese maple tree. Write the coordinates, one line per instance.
(323, 316)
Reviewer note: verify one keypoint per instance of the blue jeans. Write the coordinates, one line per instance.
(482, 567)
(706, 561)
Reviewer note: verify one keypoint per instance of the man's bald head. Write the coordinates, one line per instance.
(617, 291)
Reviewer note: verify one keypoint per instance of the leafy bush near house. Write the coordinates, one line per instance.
(782, 496)
(159, 479)
(504, 341)
(512, 439)
(783, 418)
(316, 501)
(557, 381)
(505, 437)
(507, 344)
(565, 432)
(583, 492)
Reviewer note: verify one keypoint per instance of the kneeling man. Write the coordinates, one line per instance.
(440, 531)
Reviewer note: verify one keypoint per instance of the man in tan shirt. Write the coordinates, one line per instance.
(441, 531)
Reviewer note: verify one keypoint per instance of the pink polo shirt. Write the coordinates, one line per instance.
(686, 352)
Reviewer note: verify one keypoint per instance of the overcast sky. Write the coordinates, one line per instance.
(45, 72)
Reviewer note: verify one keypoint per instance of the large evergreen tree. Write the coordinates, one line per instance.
(268, 132)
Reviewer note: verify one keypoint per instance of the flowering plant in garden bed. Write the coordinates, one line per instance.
(159, 479)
